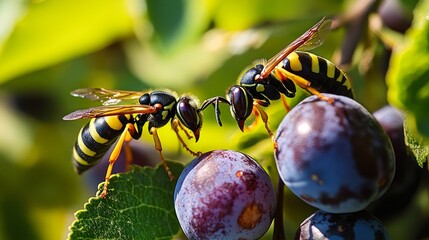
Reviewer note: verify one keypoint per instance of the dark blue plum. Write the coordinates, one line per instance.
(408, 174)
(334, 156)
(328, 226)
(224, 194)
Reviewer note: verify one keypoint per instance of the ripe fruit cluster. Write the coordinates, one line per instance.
(339, 159)
(334, 156)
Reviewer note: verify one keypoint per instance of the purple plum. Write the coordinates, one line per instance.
(408, 173)
(224, 194)
(334, 156)
(328, 226)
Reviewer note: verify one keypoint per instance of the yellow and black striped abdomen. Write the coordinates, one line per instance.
(323, 74)
(95, 139)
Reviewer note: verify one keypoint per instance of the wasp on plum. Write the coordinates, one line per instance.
(265, 81)
(258, 85)
(112, 123)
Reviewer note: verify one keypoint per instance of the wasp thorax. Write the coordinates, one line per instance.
(189, 116)
(144, 99)
(164, 102)
(250, 75)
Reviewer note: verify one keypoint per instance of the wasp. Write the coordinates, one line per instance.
(113, 123)
(264, 81)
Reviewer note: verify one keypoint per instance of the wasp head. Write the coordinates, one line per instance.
(241, 104)
(188, 115)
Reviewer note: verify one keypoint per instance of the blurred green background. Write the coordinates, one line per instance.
(50, 47)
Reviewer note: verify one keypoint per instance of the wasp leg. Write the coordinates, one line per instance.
(264, 117)
(176, 126)
(125, 137)
(262, 102)
(281, 74)
(158, 147)
(255, 122)
(128, 152)
(285, 103)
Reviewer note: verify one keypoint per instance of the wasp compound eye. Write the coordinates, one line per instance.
(189, 116)
(241, 104)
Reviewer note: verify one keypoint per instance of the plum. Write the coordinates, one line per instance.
(358, 226)
(224, 194)
(334, 156)
(408, 174)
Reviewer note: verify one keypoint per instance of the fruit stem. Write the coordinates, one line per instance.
(279, 233)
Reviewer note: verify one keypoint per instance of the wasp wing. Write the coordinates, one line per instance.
(317, 35)
(312, 38)
(106, 96)
(110, 111)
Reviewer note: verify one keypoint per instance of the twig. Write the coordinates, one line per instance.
(279, 233)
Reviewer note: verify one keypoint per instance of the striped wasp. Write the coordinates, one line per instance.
(113, 124)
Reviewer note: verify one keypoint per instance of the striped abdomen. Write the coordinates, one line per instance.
(323, 74)
(95, 139)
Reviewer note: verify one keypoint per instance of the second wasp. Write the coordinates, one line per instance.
(264, 81)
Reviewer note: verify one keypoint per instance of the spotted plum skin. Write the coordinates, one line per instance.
(224, 194)
(358, 226)
(334, 156)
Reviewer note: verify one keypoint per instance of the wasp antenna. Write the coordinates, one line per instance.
(217, 113)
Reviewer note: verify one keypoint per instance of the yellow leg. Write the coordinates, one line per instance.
(285, 103)
(125, 137)
(264, 117)
(176, 126)
(158, 147)
(280, 73)
(128, 152)
(255, 121)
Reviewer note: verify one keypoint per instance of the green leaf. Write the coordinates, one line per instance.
(408, 75)
(54, 31)
(139, 205)
(179, 24)
(242, 14)
(408, 5)
(415, 144)
(167, 21)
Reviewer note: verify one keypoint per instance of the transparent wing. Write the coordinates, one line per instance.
(317, 36)
(110, 111)
(312, 38)
(106, 96)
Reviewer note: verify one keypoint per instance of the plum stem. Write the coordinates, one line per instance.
(279, 233)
